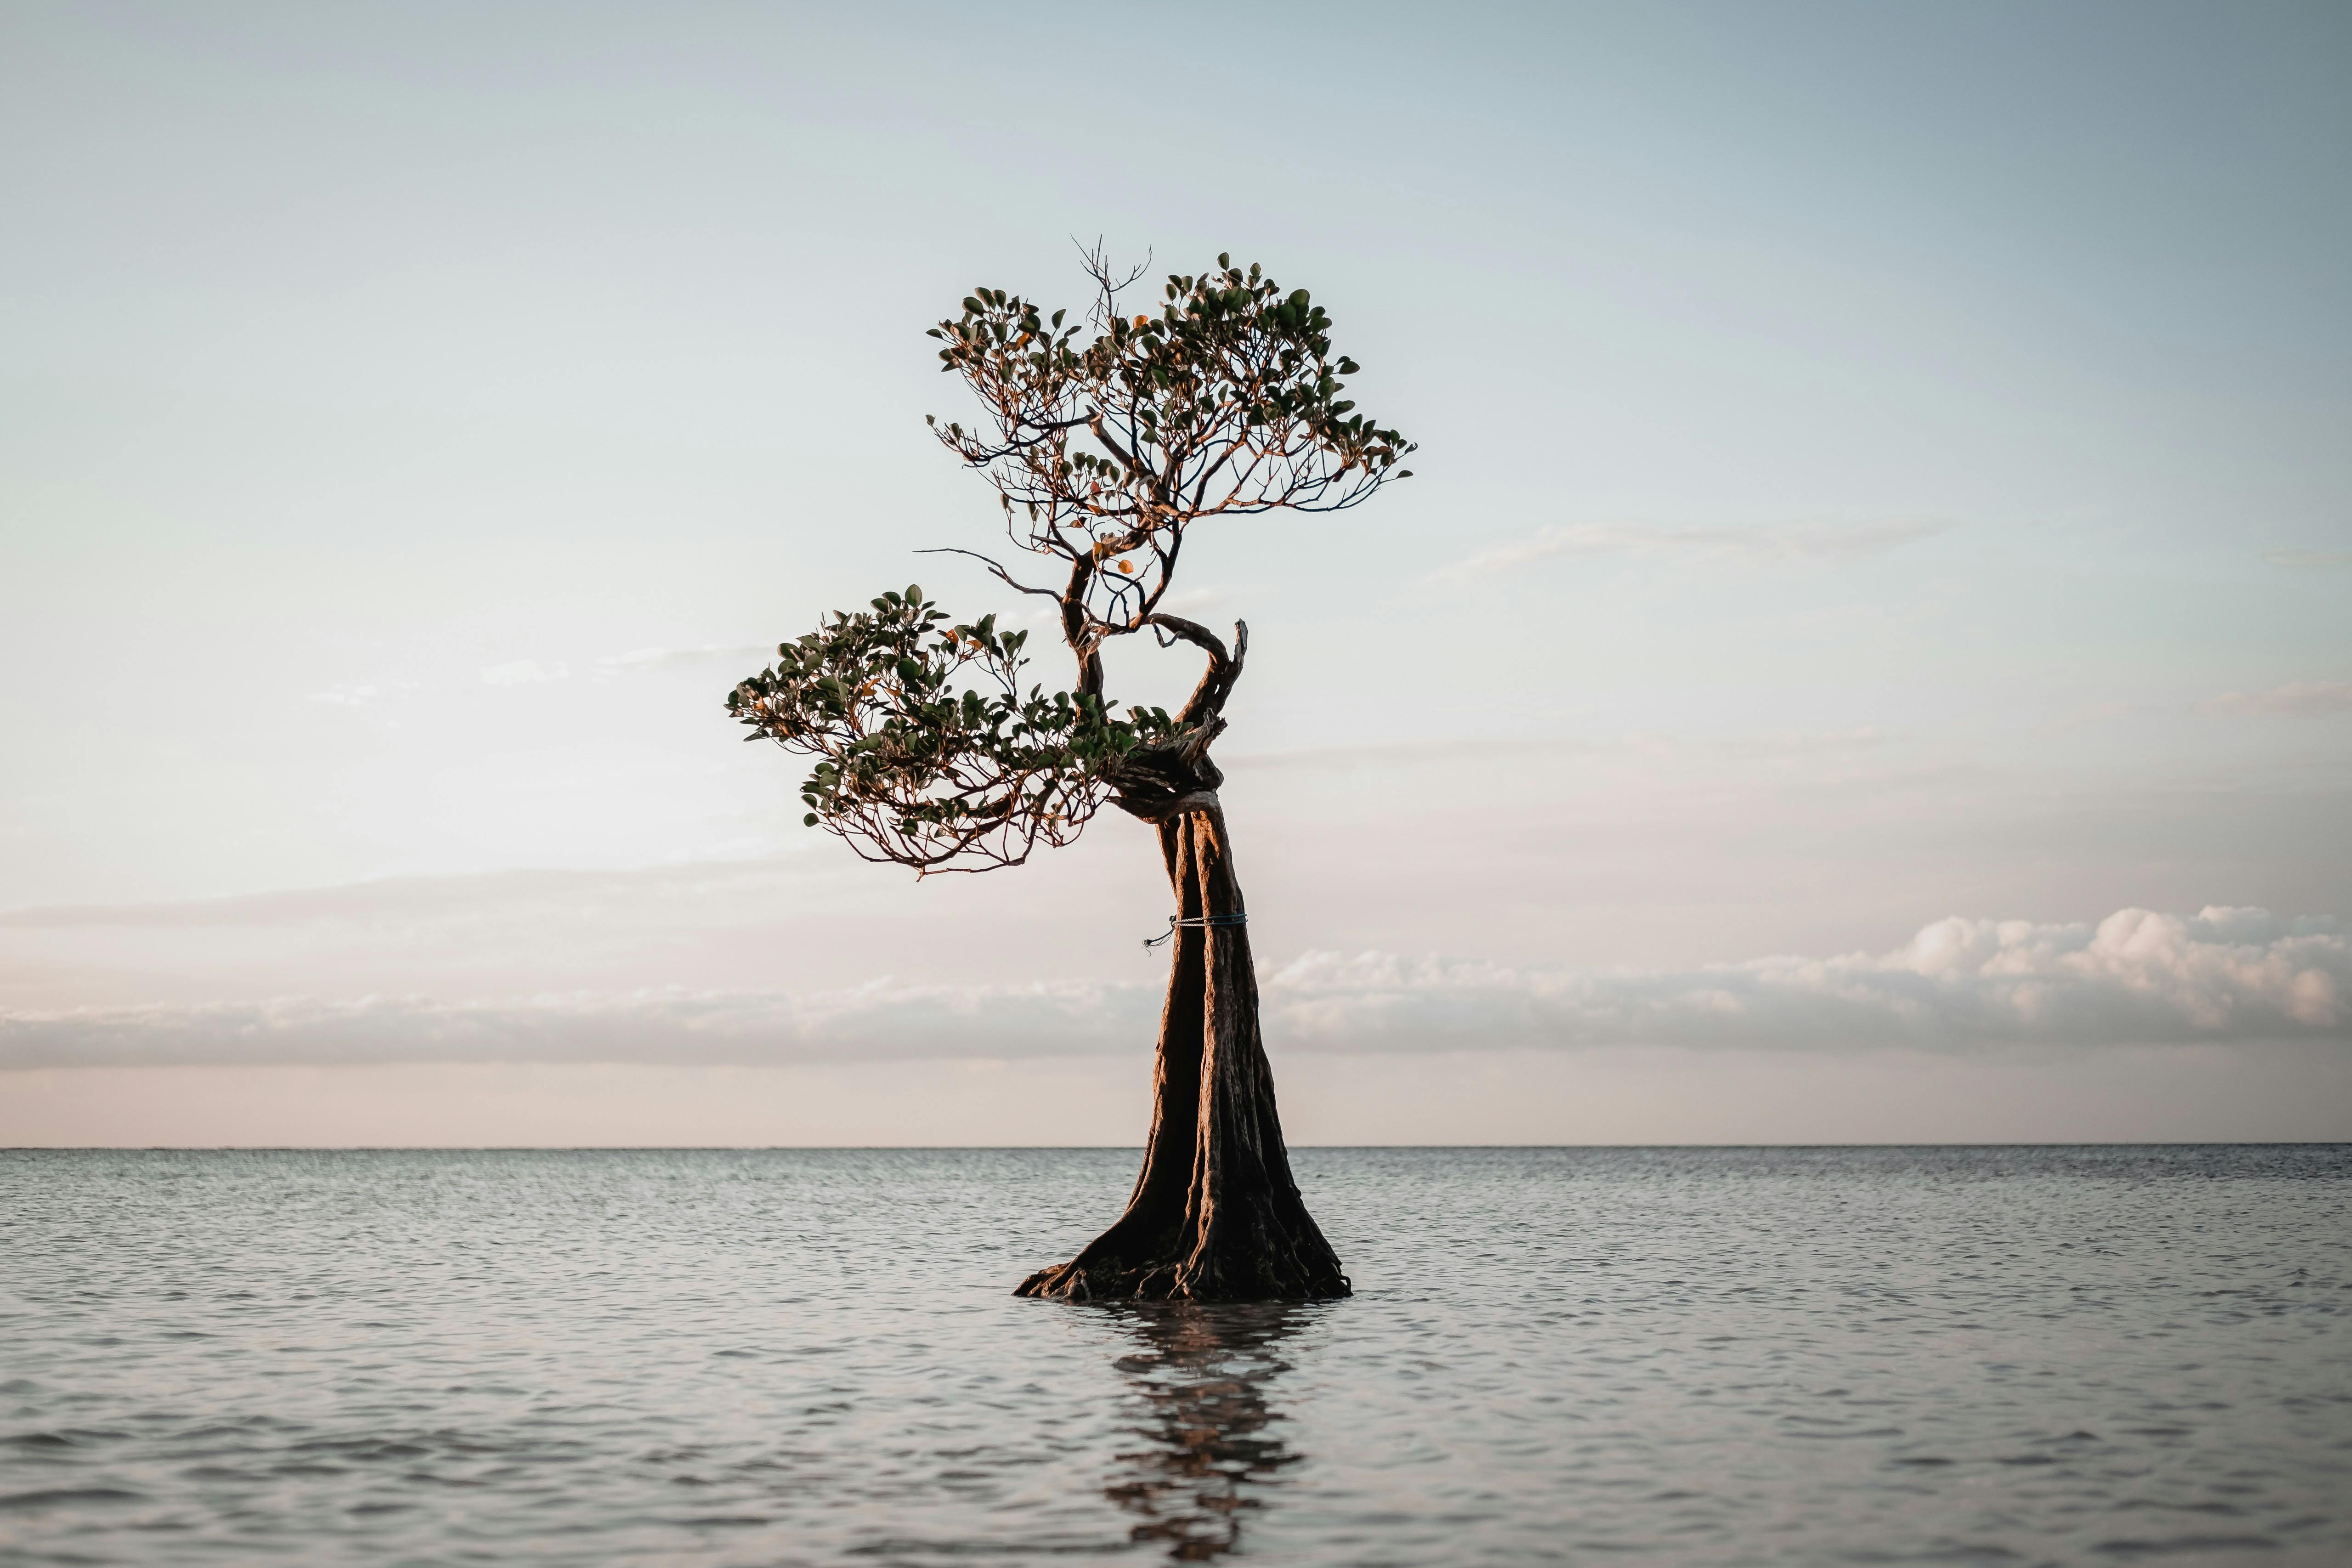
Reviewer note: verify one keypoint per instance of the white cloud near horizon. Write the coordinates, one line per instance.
(2137, 978)
(378, 900)
(362, 694)
(1802, 539)
(525, 672)
(2302, 699)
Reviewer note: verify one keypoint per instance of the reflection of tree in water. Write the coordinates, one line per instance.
(1203, 1371)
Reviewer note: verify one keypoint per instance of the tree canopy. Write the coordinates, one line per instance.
(1104, 440)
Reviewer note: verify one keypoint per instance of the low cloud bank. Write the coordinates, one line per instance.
(2302, 699)
(883, 1019)
(525, 672)
(2137, 978)
(2224, 975)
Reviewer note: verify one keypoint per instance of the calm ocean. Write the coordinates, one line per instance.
(1674, 1356)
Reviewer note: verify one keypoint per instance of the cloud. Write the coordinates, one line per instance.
(883, 1019)
(395, 899)
(1395, 753)
(664, 658)
(2309, 557)
(2302, 698)
(356, 695)
(1798, 540)
(525, 672)
(2137, 978)
(1400, 753)
(2224, 975)
(1206, 596)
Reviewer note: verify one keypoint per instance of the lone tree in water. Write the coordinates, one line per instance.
(931, 753)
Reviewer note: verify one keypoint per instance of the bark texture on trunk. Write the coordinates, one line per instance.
(1215, 1214)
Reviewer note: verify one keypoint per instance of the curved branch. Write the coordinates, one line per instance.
(1208, 700)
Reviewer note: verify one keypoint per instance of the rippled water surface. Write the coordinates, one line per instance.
(1718, 1356)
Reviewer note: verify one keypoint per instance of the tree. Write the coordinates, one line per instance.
(929, 753)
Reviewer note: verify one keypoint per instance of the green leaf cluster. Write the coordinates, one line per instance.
(1106, 439)
(1229, 397)
(926, 749)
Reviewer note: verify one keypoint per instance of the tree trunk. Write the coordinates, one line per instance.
(1215, 1216)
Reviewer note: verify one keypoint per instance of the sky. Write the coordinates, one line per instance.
(1866, 655)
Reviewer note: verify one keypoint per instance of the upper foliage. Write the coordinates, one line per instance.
(1102, 452)
(1229, 399)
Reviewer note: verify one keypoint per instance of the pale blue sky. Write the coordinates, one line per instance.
(1880, 464)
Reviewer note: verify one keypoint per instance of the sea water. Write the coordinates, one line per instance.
(2015, 1355)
